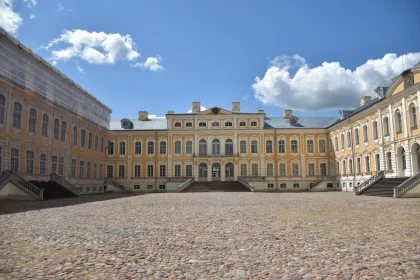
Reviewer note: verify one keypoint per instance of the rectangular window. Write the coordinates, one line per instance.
(358, 165)
(270, 186)
(282, 169)
(29, 162)
(244, 170)
(162, 187)
(56, 129)
(150, 170)
(63, 130)
(109, 171)
(162, 148)
(73, 168)
(44, 129)
(254, 146)
(295, 185)
(188, 170)
(100, 171)
(95, 167)
(254, 168)
(90, 141)
(310, 146)
(268, 146)
(42, 164)
(177, 149)
(110, 148)
(122, 148)
(150, 148)
(14, 160)
(389, 160)
(102, 144)
(137, 171)
(121, 171)
(82, 138)
(32, 120)
(322, 146)
(61, 166)
(136, 187)
(367, 162)
(82, 168)
(2, 108)
(282, 148)
(177, 170)
(283, 186)
(295, 169)
(137, 148)
(188, 147)
(323, 169)
(54, 164)
(242, 146)
(311, 169)
(88, 170)
(96, 143)
(270, 169)
(294, 146)
(17, 115)
(162, 171)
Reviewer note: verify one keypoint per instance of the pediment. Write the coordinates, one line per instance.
(215, 111)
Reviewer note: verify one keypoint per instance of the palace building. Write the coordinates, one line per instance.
(54, 133)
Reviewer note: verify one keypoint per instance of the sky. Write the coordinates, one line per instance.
(314, 57)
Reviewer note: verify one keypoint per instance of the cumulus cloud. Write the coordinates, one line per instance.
(54, 62)
(93, 47)
(156, 117)
(328, 86)
(30, 3)
(202, 108)
(9, 20)
(32, 16)
(151, 63)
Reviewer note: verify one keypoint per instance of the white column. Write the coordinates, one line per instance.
(404, 116)
(391, 122)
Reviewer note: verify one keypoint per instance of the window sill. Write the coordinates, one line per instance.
(414, 127)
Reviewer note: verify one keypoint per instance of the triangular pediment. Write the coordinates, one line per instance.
(215, 111)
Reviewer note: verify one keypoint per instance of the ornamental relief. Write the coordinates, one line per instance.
(411, 98)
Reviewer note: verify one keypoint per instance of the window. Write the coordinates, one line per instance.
(268, 146)
(54, 164)
(202, 124)
(177, 124)
(294, 146)
(88, 170)
(162, 147)
(102, 144)
(367, 162)
(122, 148)
(270, 169)
(202, 147)
(90, 141)
(162, 171)
(177, 170)
(242, 123)
(150, 170)
(188, 124)
(311, 169)
(322, 148)
(228, 124)
(96, 143)
(32, 120)
(359, 165)
(295, 169)
(29, 162)
(100, 173)
(17, 115)
(74, 135)
(136, 187)
(386, 126)
(282, 169)
(43, 164)
(177, 149)
(229, 147)
(81, 169)
(350, 166)
(110, 148)
(389, 160)
(188, 170)
(378, 162)
(365, 134)
(254, 124)
(413, 116)
(14, 160)
(109, 171)
(283, 186)
(344, 168)
(44, 129)
(398, 121)
(310, 146)
(188, 147)
(270, 186)
(336, 143)
(137, 171)
(215, 124)
(296, 186)
(162, 187)
(56, 129)
(61, 166)
(356, 136)
(323, 169)
(244, 170)
(254, 146)
(254, 168)
(2, 107)
(73, 168)
(282, 147)
(242, 147)
(338, 168)
(342, 140)
(82, 138)
(150, 148)
(215, 147)
(137, 147)
(348, 139)
(375, 130)
(121, 171)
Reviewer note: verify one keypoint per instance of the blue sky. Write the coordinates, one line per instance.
(213, 51)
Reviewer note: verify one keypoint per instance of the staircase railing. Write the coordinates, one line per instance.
(407, 185)
(186, 184)
(369, 182)
(31, 189)
(311, 186)
(67, 185)
(245, 183)
(115, 184)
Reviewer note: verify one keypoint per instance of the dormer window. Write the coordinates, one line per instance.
(228, 124)
(126, 124)
(215, 124)
(177, 124)
(242, 123)
(254, 123)
(188, 124)
(202, 124)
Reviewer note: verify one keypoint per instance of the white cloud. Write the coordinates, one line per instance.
(329, 86)
(93, 47)
(32, 16)
(156, 117)
(151, 63)
(54, 63)
(9, 20)
(60, 7)
(202, 108)
(30, 3)
(245, 97)
(79, 68)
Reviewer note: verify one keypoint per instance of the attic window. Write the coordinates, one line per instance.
(228, 123)
(242, 123)
(188, 124)
(214, 124)
(177, 124)
(126, 124)
(202, 124)
(254, 123)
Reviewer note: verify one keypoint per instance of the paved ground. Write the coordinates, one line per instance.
(216, 235)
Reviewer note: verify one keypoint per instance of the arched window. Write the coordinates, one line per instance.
(228, 124)
(17, 115)
(282, 146)
(202, 147)
(30, 162)
(63, 130)
(367, 163)
(54, 164)
(310, 146)
(356, 136)
(268, 146)
(43, 164)
(365, 134)
(188, 124)
(375, 130)
(215, 147)
(74, 135)
(82, 138)
(56, 129)
(215, 124)
(177, 149)
(242, 123)
(350, 166)
(336, 143)
(413, 116)
(344, 168)
(14, 160)
(2, 108)
(32, 120)
(378, 162)
(386, 126)
(294, 146)
(389, 160)
(348, 139)
(254, 123)
(202, 124)
(90, 141)
(177, 124)
(398, 121)
(342, 141)
(229, 147)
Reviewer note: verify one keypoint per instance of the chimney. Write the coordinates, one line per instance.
(195, 107)
(364, 100)
(170, 112)
(143, 115)
(260, 111)
(235, 107)
(287, 114)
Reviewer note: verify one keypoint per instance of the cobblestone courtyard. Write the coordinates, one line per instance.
(216, 235)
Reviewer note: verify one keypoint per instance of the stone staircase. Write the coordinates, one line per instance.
(53, 190)
(384, 187)
(232, 186)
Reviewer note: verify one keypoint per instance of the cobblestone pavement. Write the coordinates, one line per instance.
(216, 236)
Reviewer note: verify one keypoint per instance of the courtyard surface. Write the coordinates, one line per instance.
(215, 236)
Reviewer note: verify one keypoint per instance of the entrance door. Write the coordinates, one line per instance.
(215, 172)
(229, 172)
(202, 172)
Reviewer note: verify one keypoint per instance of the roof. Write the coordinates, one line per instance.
(303, 122)
(151, 124)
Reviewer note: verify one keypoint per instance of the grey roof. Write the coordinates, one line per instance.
(151, 124)
(303, 122)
